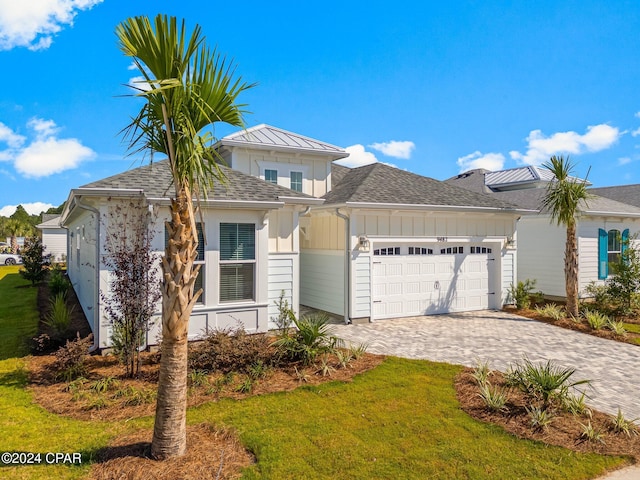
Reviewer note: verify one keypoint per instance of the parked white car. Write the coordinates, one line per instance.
(10, 259)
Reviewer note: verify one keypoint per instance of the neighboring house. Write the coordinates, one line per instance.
(388, 243)
(251, 225)
(603, 225)
(54, 237)
(622, 193)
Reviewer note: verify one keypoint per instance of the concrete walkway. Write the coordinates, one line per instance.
(503, 339)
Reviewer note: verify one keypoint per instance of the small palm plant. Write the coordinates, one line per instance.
(311, 338)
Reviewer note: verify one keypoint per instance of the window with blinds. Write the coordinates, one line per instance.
(237, 261)
(296, 181)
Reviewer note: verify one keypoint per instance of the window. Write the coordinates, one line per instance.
(271, 176)
(296, 181)
(480, 250)
(237, 261)
(199, 283)
(387, 251)
(420, 251)
(450, 250)
(611, 246)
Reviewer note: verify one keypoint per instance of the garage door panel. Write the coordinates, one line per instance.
(406, 285)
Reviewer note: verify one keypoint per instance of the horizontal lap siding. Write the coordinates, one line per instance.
(281, 278)
(322, 280)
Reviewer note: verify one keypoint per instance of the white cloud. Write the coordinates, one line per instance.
(540, 148)
(46, 154)
(34, 23)
(140, 83)
(35, 208)
(358, 157)
(635, 133)
(637, 115)
(395, 149)
(624, 160)
(488, 161)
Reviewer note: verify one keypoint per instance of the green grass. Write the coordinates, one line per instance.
(18, 312)
(632, 327)
(400, 420)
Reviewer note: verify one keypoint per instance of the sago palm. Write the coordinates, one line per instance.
(564, 196)
(187, 88)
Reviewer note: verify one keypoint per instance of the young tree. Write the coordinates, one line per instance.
(187, 89)
(35, 262)
(134, 288)
(563, 198)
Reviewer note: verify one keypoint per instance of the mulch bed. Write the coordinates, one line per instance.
(630, 337)
(565, 429)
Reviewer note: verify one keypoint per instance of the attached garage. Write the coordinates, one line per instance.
(430, 279)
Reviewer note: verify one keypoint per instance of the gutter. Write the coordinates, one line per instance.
(347, 267)
(96, 312)
(430, 208)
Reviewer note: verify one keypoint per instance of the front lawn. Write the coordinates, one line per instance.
(399, 420)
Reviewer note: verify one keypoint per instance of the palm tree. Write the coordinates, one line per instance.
(15, 228)
(563, 198)
(187, 88)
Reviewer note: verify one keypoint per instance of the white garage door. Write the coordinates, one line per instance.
(431, 279)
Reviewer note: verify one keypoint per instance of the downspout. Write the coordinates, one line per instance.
(347, 266)
(96, 303)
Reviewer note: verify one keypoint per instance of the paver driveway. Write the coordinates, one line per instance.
(501, 339)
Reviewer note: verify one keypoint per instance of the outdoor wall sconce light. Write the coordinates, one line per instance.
(363, 243)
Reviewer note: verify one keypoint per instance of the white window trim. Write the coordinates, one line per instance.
(253, 261)
(284, 172)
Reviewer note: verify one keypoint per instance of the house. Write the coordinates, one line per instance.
(366, 243)
(629, 194)
(54, 237)
(603, 225)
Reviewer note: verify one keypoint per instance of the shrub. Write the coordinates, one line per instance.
(575, 404)
(600, 294)
(624, 283)
(551, 310)
(617, 327)
(481, 372)
(591, 434)
(312, 338)
(358, 351)
(620, 424)
(544, 382)
(230, 350)
(595, 319)
(494, 398)
(71, 359)
(520, 294)
(58, 282)
(539, 418)
(285, 316)
(59, 317)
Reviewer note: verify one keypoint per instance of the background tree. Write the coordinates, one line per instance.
(16, 228)
(188, 88)
(134, 289)
(563, 199)
(35, 262)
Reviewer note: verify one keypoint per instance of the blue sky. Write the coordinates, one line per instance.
(432, 87)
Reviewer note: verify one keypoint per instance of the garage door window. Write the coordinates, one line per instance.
(387, 251)
(480, 250)
(451, 250)
(420, 251)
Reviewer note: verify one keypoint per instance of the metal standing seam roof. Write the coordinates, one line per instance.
(383, 184)
(267, 136)
(156, 181)
(515, 176)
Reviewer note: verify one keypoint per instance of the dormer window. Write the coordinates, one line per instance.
(271, 176)
(296, 181)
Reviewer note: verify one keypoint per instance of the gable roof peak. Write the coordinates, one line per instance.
(268, 137)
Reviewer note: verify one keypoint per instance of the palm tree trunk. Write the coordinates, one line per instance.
(178, 298)
(571, 270)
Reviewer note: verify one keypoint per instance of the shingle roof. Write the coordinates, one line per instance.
(380, 183)
(531, 198)
(624, 193)
(156, 181)
(266, 136)
(52, 222)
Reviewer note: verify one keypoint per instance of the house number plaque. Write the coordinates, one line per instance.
(441, 239)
